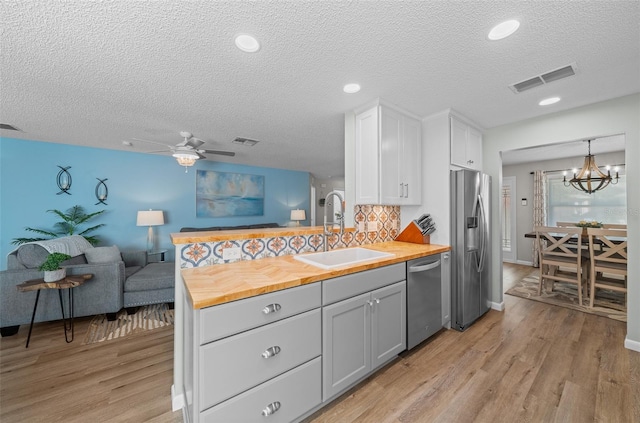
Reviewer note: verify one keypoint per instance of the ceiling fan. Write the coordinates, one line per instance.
(187, 151)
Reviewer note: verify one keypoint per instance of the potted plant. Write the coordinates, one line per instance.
(72, 221)
(51, 266)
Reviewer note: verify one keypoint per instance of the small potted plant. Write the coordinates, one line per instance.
(52, 270)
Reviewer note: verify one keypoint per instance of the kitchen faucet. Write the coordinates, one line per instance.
(327, 232)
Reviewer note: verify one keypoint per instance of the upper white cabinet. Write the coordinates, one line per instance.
(466, 144)
(387, 156)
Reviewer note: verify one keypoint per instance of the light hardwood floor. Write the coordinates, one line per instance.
(532, 363)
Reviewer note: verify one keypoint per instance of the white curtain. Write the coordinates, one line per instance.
(539, 208)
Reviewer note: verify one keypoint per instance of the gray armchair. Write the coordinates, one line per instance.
(103, 293)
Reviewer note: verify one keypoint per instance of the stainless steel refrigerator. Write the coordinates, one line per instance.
(471, 247)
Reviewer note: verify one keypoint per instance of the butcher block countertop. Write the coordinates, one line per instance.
(222, 283)
(214, 236)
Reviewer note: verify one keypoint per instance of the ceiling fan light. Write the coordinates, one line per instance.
(186, 158)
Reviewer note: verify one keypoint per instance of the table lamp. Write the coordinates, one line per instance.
(297, 215)
(150, 218)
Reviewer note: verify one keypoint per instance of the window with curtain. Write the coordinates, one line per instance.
(567, 204)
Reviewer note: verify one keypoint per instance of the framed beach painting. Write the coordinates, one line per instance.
(222, 194)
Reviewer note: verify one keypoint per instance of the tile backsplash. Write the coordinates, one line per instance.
(386, 220)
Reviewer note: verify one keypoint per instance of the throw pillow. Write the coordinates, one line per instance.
(103, 255)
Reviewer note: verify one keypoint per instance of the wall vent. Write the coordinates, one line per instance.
(544, 78)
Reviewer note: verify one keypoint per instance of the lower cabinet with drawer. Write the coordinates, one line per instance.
(280, 400)
(280, 356)
(269, 365)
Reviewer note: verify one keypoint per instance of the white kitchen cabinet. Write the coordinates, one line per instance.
(388, 156)
(360, 334)
(466, 144)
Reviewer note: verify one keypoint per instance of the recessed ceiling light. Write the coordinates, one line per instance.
(503, 30)
(548, 101)
(247, 43)
(351, 88)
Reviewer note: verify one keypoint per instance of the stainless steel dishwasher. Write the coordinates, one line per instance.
(424, 299)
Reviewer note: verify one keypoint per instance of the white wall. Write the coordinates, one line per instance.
(524, 189)
(621, 115)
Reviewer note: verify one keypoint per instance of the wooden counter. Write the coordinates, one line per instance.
(218, 284)
(214, 236)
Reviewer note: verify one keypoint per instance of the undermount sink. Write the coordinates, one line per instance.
(343, 257)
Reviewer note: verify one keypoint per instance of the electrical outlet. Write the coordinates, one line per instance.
(372, 226)
(361, 227)
(231, 253)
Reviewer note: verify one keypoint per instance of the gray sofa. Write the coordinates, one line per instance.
(228, 228)
(128, 283)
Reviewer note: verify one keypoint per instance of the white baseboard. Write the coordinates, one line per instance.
(497, 306)
(504, 260)
(526, 263)
(631, 344)
(177, 401)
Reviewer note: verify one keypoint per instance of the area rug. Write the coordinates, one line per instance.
(145, 319)
(607, 303)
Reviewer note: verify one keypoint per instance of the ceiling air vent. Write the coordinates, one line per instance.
(245, 141)
(544, 78)
(8, 127)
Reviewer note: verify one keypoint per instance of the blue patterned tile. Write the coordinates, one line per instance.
(195, 254)
(276, 246)
(297, 244)
(253, 248)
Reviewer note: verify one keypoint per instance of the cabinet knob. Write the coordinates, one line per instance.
(271, 351)
(271, 308)
(271, 408)
(370, 303)
(377, 300)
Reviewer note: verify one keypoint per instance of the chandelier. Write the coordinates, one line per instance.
(590, 178)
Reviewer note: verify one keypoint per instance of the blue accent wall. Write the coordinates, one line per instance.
(136, 181)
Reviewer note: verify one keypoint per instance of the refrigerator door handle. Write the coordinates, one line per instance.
(483, 246)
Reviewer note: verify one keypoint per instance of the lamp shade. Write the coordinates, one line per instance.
(298, 214)
(150, 218)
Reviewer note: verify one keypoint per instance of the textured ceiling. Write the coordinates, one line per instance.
(99, 73)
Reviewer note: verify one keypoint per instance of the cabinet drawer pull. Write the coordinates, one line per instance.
(271, 351)
(271, 308)
(271, 408)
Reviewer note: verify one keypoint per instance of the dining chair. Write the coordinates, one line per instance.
(561, 247)
(614, 226)
(608, 260)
